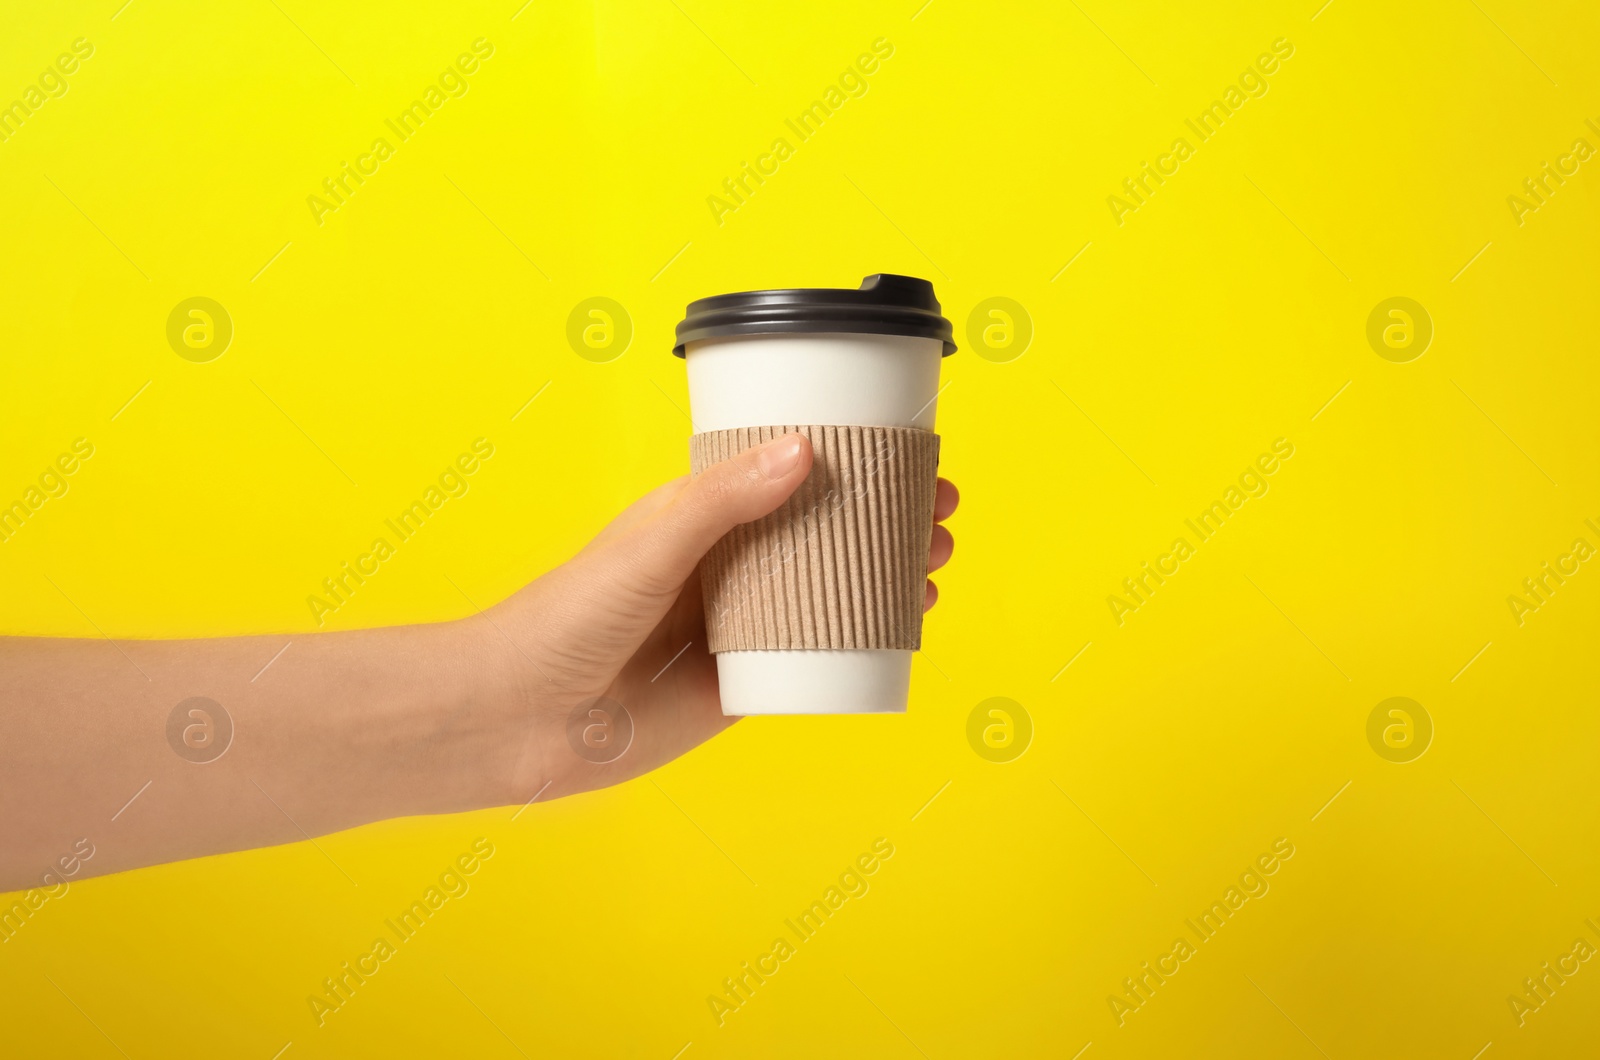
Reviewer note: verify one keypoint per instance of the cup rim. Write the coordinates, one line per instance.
(884, 304)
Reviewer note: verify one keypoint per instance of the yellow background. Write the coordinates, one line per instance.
(1222, 315)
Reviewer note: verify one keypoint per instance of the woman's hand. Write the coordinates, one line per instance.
(614, 641)
(333, 730)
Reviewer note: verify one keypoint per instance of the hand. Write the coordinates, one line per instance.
(349, 728)
(623, 623)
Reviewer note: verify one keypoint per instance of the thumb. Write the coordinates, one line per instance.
(660, 554)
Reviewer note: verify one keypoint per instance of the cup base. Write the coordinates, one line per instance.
(809, 681)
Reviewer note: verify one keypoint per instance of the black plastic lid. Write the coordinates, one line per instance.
(885, 305)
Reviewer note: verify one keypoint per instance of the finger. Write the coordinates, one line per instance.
(945, 499)
(639, 510)
(930, 596)
(651, 560)
(940, 548)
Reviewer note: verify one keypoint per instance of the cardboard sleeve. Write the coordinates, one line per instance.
(843, 563)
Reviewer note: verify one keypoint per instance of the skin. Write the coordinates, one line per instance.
(349, 728)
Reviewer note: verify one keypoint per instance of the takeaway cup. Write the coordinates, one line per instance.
(817, 608)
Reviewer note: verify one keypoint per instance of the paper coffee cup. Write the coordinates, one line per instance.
(817, 608)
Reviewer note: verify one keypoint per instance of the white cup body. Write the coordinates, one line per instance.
(833, 379)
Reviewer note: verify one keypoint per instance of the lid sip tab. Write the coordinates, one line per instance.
(885, 304)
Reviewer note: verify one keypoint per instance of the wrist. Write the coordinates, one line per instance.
(493, 721)
(424, 740)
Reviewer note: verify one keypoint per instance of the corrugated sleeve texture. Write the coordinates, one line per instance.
(842, 564)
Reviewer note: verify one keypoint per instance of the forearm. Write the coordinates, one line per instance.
(340, 730)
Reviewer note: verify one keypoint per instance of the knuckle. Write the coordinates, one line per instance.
(723, 482)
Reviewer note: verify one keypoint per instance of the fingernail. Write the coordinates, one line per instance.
(779, 458)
